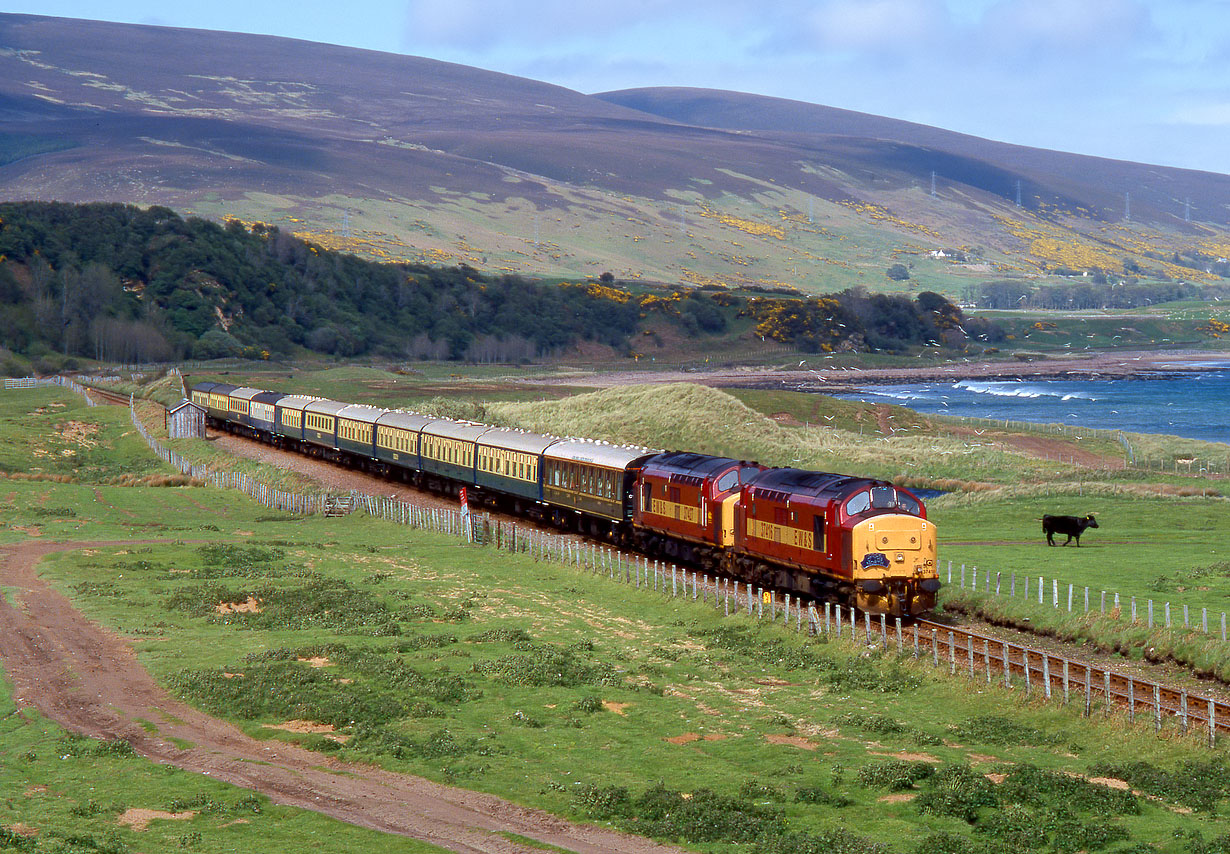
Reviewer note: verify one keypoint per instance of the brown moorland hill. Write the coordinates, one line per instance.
(407, 157)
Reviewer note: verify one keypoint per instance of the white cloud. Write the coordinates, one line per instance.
(876, 24)
(1092, 25)
(1215, 114)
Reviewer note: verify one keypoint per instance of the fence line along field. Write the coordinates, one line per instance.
(564, 690)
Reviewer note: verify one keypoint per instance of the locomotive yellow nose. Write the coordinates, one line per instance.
(894, 564)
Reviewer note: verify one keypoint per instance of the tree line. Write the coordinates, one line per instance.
(119, 283)
(1094, 291)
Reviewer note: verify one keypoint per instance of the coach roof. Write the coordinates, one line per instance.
(596, 453)
(517, 440)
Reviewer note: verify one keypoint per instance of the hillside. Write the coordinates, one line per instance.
(121, 284)
(409, 158)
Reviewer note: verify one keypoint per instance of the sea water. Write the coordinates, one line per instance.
(1195, 405)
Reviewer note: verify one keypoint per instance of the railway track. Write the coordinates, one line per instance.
(107, 397)
(981, 657)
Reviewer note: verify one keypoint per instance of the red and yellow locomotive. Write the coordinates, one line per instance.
(822, 535)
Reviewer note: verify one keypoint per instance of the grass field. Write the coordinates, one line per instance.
(68, 794)
(584, 696)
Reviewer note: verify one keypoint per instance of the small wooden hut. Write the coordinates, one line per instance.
(186, 421)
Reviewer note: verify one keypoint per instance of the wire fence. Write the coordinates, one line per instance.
(1072, 598)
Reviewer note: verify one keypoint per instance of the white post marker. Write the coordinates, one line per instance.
(465, 516)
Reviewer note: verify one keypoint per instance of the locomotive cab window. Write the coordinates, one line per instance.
(858, 503)
(908, 504)
(883, 497)
(818, 532)
(728, 481)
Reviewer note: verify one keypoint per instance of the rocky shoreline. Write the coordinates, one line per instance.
(1147, 365)
(820, 379)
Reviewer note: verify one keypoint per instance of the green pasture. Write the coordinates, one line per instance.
(49, 431)
(585, 696)
(409, 386)
(64, 793)
(1169, 326)
(1165, 549)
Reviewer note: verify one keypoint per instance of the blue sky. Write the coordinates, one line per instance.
(1145, 80)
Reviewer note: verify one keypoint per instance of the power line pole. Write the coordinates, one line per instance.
(933, 183)
(1127, 206)
(1187, 210)
(810, 219)
(346, 224)
(1018, 192)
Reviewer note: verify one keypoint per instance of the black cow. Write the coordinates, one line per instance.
(1073, 526)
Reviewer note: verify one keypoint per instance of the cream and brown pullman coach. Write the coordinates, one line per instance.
(592, 478)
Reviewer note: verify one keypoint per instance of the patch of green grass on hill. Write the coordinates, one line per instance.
(50, 432)
(16, 146)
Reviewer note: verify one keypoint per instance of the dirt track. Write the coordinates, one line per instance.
(89, 680)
